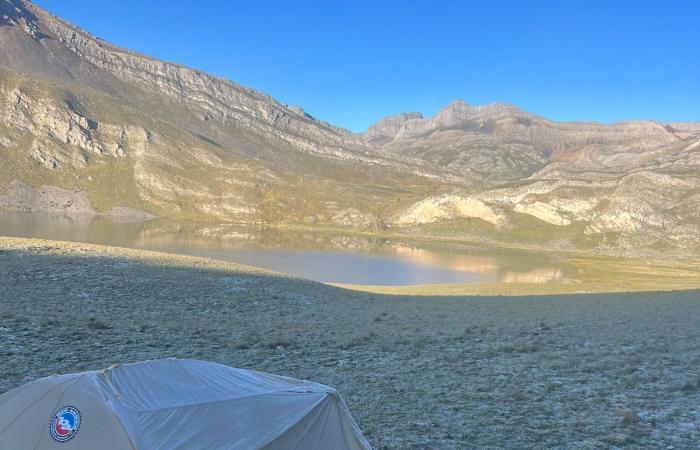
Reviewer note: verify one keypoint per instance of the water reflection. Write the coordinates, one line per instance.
(320, 256)
(545, 275)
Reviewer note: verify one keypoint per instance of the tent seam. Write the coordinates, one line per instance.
(187, 405)
(114, 411)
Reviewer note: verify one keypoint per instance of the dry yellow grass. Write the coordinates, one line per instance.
(593, 275)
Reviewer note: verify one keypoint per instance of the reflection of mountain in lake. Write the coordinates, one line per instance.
(465, 263)
(508, 267)
(321, 256)
(534, 276)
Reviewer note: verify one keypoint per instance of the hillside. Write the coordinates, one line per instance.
(86, 127)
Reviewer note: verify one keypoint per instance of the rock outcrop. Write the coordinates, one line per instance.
(353, 217)
(448, 207)
(51, 199)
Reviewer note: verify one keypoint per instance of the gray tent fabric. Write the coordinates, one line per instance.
(176, 404)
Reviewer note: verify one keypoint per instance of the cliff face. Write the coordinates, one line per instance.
(127, 131)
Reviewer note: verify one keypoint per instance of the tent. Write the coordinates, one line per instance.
(175, 404)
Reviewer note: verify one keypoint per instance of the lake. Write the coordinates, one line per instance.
(315, 255)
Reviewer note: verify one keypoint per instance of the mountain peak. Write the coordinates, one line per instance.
(458, 114)
(460, 108)
(387, 128)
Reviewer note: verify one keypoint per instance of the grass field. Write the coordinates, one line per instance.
(418, 371)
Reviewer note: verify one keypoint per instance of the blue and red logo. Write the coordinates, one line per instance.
(65, 424)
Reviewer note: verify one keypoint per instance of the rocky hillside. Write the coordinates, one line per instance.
(86, 127)
(624, 185)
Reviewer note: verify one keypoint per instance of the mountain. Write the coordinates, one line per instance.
(87, 127)
(82, 115)
(622, 186)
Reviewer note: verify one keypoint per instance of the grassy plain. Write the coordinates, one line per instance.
(423, 372)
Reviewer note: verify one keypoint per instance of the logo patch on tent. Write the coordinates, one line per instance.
(65, 424)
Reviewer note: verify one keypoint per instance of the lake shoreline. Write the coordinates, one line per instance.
(322, 256)
(594, 274)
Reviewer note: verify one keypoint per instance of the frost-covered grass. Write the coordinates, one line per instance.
(565, 371)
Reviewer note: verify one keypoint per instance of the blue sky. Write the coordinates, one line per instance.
(353, 62)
